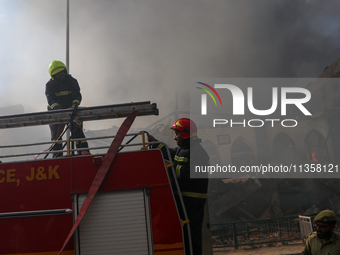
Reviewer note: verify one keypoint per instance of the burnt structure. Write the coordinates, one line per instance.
(315, 140)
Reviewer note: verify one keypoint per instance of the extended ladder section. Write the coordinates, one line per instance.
(22, 151)
(82, 114)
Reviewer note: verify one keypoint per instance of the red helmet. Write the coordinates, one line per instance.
(186, 127)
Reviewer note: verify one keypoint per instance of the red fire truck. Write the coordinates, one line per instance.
(134, 211)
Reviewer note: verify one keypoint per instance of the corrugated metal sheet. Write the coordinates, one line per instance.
(115, 223)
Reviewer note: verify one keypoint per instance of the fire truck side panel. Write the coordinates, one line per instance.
(140, 170)
(51, 184)
(167, 233)
(131, 170)
(117, 222)
(35, 186)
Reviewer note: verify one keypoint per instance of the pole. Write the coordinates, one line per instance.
(235, 236)
(67, 34)
(68, 134)
(176, 111)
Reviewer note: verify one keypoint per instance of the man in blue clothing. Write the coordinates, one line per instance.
(63, 92)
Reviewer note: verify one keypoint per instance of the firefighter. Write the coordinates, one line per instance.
(189, 153)
(324, 240)
(63, 92)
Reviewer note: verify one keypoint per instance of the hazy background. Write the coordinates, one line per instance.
(147, 50)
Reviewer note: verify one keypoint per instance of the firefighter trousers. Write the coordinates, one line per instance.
(195, 211)
(77, 132)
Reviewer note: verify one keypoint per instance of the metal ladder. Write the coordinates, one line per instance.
(83, 114)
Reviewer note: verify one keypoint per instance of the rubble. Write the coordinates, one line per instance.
(234, 200)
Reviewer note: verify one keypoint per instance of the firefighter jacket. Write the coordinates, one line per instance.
(62, 94)
(184, 159)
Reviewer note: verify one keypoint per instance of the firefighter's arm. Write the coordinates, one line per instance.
(150, 139)
(186, 163)
(161, 147)
(52, 98)
(75, 94)
(182, 171)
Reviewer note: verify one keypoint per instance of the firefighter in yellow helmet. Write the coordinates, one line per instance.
(63, 92)
(186, 156)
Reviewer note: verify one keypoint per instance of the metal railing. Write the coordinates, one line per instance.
(33, 149)
(306, 226)
(254, 232)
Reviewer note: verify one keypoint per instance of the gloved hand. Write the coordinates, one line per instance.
(74, 105)
(150, 138)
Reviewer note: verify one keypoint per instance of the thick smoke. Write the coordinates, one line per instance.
(130, 51)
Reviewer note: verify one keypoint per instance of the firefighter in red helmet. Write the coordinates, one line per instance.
(189, 153)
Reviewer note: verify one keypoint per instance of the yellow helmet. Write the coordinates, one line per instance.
(56, 67)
